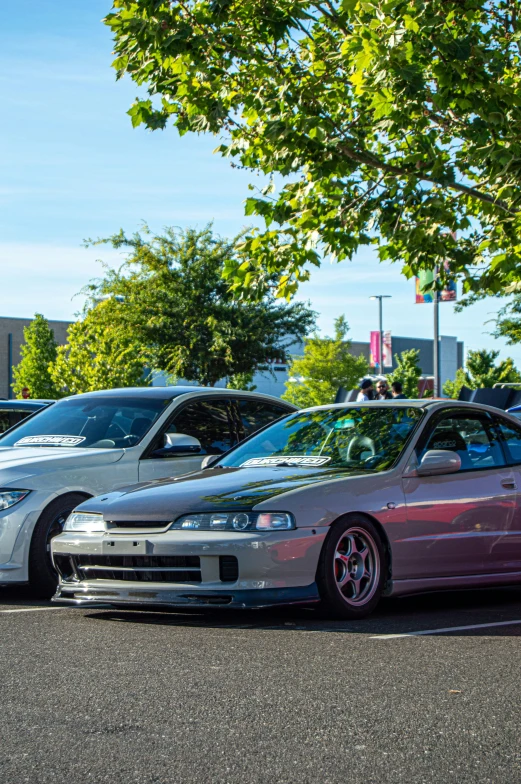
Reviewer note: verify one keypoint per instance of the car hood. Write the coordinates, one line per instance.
(206, 491)
(26, 461)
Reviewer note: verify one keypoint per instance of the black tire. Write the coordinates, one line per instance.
(42, 576)
(343, 565)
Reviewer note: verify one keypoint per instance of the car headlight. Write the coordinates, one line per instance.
(84, 521)
(235, 521)
(10, 497)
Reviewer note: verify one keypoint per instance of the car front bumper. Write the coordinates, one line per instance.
(16, 528)
(152, 597)
(260, 569)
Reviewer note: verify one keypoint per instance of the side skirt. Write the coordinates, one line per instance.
(405, 587)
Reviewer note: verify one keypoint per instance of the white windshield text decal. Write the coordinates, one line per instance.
(50, 441)
(296, 460)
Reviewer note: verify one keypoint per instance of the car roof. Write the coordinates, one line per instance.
(24, 405)
(426, 403)
(151, 392)
(169, 393)
(373, 404)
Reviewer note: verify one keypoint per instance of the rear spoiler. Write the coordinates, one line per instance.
(500, 397)
(346, 395)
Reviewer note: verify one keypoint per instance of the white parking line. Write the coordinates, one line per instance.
(37, 609)
(445, 630)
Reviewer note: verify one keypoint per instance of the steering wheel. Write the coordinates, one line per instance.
(115, 431)
(360, 444)
(130, 439)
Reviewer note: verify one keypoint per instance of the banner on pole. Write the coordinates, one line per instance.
(374, 348)
(425, 292)
(388, 350)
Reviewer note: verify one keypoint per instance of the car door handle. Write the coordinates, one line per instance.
(508, 484)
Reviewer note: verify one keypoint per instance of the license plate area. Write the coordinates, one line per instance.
(126, 547)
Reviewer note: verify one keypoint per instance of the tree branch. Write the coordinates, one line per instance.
(370, 160)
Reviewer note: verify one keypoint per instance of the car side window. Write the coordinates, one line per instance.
(471, 437)
(207, 420)
(17, 416)
(511, 437)
(254, 414)
(4, 421)
(10, 418)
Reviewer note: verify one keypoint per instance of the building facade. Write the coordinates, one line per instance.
(11, 339)
(451, 358)
(272, 382)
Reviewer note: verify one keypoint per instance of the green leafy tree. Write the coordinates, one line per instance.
(407, 371)
(98, 355)
(481, 370)
(452, 388)
(392, 123)
(326, 365)
(169, 298)
(242, 381)
(508, 323)
(38, 352)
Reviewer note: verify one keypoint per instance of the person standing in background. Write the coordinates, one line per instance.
(382, 390)
(366, 391)
(397, 391)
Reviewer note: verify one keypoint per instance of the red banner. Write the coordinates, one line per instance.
(375, 349)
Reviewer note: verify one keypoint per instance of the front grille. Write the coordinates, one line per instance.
(138, 524)
(139, 568)
(228, 569)
(65, 566)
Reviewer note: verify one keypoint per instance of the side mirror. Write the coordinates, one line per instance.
(178, 444)
(439, 461)
(209, 460)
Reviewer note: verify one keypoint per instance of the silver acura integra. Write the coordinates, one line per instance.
(339, 504)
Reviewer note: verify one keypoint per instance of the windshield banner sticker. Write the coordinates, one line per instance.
(50, 441)
(286, 460)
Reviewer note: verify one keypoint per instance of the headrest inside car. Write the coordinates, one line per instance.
(450, 440)
(140, 426)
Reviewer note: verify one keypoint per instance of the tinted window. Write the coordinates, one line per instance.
(255, 414)
(371, 438)
(100, 422)
(207, 420)
(471, 437)
(4, 421)
(10, 418)
(512, 439)
(17, 416)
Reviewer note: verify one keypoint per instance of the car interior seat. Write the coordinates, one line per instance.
(140, 426)
(452, 441)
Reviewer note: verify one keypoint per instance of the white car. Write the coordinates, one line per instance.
(91, 444)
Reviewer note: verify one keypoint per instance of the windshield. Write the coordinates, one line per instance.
(88, 423)
(369, 438)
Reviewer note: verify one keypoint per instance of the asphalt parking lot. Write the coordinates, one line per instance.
(99, 695)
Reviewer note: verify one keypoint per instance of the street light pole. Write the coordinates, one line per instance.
(436, 343)
(381, 297)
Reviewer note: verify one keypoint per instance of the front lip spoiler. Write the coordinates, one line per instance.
(139, 597)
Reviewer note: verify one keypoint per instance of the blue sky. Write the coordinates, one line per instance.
(72, 167)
